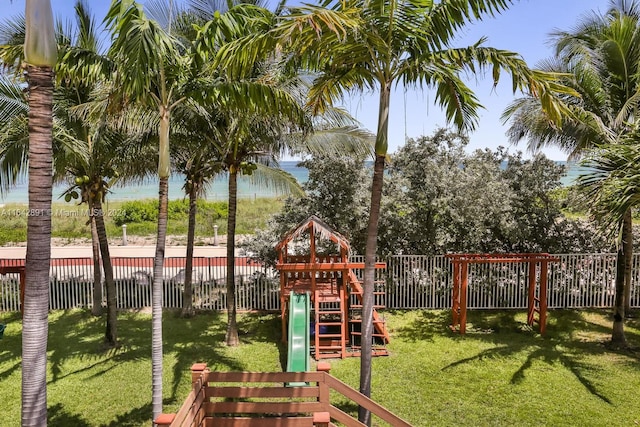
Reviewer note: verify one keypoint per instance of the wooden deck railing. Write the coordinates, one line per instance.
(265, 399)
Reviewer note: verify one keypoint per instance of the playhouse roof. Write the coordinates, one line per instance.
(320, 228)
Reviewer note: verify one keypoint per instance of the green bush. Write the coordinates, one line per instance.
(136, 211)
(140, 211)
(215, 210)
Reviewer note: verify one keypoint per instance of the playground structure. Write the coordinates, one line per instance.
(537, 272)
(332, 289)
(270, 399)
(298, 343)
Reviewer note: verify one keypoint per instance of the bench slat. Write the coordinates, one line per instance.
(262, 407)
(269, 392)
(260, 422)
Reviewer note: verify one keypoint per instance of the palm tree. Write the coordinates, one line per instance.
(81, 151)
(375, 45)
(243, 134)
(612, 188)
(151, 71)
(600, 59)
(156, 70)
(196, 160)
(40, 56)
(248, 142)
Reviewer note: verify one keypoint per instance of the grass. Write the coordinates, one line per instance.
(500, 373)
(69, 220)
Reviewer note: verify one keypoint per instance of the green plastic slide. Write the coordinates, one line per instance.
(298, 342)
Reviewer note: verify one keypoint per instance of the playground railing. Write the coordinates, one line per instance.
(269, 399)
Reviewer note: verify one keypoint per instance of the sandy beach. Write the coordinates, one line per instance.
(136, 247)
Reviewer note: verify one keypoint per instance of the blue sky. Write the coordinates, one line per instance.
(524, 28)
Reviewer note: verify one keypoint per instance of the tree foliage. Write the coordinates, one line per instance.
(440, 199)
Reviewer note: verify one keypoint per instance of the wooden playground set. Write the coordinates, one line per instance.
(537, 265)
(334, 289)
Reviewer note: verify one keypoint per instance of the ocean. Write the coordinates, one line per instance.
(217, 190)
(149, 189)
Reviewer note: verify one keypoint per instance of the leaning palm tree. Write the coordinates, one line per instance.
(40, 56)
(600, 59)
(373, 46)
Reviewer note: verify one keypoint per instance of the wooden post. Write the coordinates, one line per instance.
(463, 296)
(321, 419)
(323, 388)
(455, 301)
(164, 420)
(197, 369)
(543, 296)
(532, 292)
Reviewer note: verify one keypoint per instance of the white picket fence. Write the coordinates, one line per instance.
(409, 282)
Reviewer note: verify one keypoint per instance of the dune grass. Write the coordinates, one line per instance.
(500, 373)
(69, 220)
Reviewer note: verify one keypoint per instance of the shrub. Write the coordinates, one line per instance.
(136, 211)
(140, 211)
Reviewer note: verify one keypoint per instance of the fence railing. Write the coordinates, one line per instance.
(409, 282)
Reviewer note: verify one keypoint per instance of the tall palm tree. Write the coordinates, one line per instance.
(246, 133)
(40, 56)
(375, 45)
(81, 149)
(601, 61)
(156, 70)
(152, 72)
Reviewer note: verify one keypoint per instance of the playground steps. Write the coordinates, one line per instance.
(379, 324)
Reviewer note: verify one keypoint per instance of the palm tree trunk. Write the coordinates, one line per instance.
(96, 308)
(618, 339)
(627, 241)
(187, 296)
(364, 416)
(158, 264)
(35, 324)
(232, 326)
(156, 297)
(111, 330)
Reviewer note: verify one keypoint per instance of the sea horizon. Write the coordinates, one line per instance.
(217, 190)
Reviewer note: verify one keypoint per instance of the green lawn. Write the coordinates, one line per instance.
(499, 374)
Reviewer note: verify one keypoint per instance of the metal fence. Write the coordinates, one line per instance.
(409, 282)
(575, 281)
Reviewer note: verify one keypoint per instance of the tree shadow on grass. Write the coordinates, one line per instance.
(77, 334)
(11, 345)
(58, 417)
(199, 339)
(264, 327)
(570, 336)
(427, 325)
(133, 418)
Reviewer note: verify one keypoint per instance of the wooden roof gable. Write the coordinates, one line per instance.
(320, 228)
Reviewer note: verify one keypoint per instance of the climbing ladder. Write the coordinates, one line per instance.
(330, 321)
